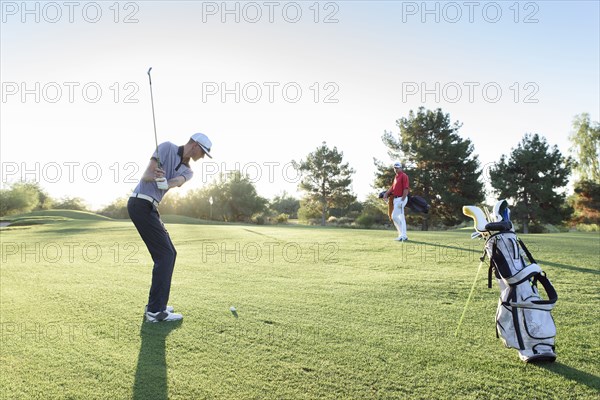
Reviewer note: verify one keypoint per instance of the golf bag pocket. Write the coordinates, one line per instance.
(539, 324)
(506, 257)
(505, 326)
(523, 318)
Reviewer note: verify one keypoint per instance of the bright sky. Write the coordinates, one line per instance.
(269, 81)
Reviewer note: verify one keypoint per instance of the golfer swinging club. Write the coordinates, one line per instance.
(169, 167)
(399, 193)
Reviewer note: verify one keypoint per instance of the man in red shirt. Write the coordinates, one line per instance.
(399, 192)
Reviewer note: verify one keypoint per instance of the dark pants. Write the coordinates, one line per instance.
(147, 221)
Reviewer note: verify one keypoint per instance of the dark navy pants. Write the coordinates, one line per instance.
(147, 221)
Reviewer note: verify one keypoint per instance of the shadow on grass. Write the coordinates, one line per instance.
(262, 234)
(541, 262)
(151, 372)
(471, 249)
(572, 374)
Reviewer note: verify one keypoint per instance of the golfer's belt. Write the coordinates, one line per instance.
(145, 197)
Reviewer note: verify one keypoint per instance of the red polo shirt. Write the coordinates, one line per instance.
(400, 183)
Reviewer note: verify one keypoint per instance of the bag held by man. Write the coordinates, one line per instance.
(523, 318)
(416, 203)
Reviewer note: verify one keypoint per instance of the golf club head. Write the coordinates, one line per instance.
(476, 235)
(150, 77)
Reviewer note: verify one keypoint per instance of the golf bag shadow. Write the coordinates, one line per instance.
(523, 318)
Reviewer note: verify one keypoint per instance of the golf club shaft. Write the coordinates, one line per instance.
(468, 300)
(153, 117)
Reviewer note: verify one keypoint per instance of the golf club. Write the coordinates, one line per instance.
(153, 118)
(462, 316)
(481, 218)
(476, 235)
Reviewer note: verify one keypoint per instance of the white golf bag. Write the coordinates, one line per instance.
(523, 319)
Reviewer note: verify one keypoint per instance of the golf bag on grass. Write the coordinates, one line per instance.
(523, 318)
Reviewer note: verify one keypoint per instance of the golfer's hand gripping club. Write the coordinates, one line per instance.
(159, 178)
(162, 183)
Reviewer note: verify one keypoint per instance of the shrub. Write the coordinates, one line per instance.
(587, 227)
(282, 218)
(549, 228)
(259, 219)
(345, 221)
(365, 220)
(307, 213)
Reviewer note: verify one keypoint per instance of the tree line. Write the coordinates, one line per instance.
(442, 166)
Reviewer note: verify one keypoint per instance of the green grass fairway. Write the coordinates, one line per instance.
(72, 214)
(51, 216)
(321, 313)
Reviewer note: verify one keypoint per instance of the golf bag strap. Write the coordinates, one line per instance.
(527, 253)
(550, 291)
(538, 304)
(523, 275)
(512, 298)
(491, 268)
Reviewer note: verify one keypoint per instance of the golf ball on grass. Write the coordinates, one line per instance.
(232, 309)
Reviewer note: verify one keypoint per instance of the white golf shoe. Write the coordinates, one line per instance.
(169, 309)
(163, 316)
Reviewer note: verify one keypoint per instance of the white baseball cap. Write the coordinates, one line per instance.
(203, 141)
(397, 164)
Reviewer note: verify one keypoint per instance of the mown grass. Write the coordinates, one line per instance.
(321, 313)
(71, 214)
(182, 219)
(50, 216)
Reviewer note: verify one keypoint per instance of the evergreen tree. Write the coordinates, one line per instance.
(530, 177)
(326, 180)
(439, 163)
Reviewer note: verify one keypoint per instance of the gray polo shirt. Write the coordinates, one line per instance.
(171, 161)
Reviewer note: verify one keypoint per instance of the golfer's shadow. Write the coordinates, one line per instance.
(151, 372)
